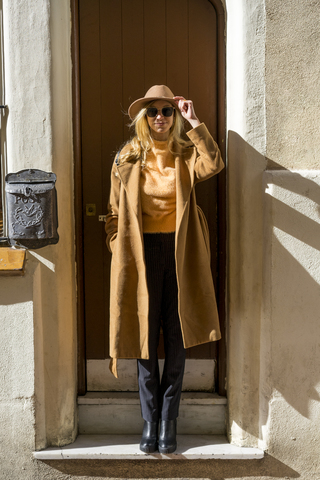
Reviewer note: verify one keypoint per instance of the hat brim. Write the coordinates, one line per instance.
(137, 105)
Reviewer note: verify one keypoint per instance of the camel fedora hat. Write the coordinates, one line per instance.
(157, 92)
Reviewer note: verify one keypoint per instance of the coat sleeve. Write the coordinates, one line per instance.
(111, 225)
(208, 161)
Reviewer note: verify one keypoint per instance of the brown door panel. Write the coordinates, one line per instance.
(126, 47)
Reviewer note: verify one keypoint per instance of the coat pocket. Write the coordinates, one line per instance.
(205, 229)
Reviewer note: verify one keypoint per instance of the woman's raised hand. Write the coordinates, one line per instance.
(187, 110)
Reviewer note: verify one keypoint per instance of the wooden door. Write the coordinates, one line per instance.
(126, 46)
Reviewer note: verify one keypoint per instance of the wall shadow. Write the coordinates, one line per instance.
(295, 327)
(16, 289)
(268, 467)
(299, 305)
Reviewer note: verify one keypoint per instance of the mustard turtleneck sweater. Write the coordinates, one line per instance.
(158, 190)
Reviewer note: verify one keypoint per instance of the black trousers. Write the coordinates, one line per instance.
(160, 398)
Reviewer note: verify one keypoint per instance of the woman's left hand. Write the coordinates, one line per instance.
(187, 110)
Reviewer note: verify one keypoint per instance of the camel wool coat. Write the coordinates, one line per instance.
(129, 300)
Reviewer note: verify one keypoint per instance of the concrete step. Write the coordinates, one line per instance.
(118, 413)
(126, 447)
(198, 375)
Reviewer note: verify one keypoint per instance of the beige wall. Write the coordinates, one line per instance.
(292, 83)
(290, 322)
(273, 123)
(292, 259)
(37, 311)
(246, 128)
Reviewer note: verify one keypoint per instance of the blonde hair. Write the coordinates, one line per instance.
(142, 141)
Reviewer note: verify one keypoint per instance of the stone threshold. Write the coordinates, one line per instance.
(126, 447)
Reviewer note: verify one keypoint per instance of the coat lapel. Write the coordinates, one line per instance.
(129, 174)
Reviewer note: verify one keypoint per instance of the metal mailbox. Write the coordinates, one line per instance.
(31, 200)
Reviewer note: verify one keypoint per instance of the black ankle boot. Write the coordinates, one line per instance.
(149, 437)
(167, 438)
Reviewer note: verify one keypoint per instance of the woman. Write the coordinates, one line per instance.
(160, 271)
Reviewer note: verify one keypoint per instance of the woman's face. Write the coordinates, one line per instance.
(160, 125)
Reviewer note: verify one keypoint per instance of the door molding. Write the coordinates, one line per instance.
(76, 115)
(221, 291)
(222, 197)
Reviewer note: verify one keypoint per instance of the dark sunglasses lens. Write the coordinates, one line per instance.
(167, 111)
(152, 112)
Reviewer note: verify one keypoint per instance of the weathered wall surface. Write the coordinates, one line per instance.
(292, 83)
(290, 325)
(274, 281)
(291, 253)
(246, 164)
(16, 371)
(37, 311)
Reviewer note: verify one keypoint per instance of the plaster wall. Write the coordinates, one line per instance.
(16, 370)
(292, 84)
(273, 117)
(246, 128)
(37, 311)
(290, 322)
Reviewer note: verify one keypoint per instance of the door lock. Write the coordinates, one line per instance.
(91, 209)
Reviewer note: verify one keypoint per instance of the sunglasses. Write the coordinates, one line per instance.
(166, 111)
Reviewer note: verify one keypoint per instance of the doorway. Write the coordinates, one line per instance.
(121, 48)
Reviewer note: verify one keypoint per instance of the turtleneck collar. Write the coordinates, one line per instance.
(160, 144)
